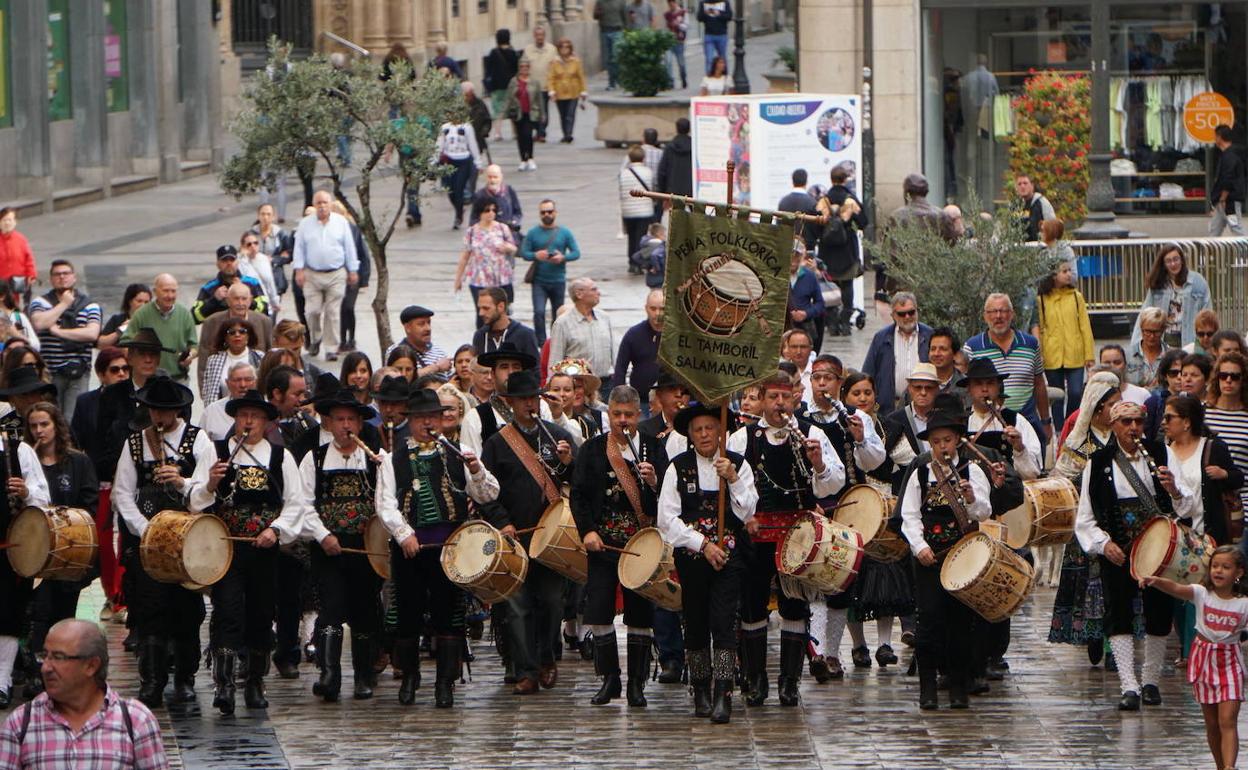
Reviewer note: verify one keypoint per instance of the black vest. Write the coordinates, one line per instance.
(445, 475)
(940, 525)
(1104, 495)
(775, 471)
(344, 498)
(152, 498)
(249, 497)
(699, 508)
(489, 422)
(995, 439)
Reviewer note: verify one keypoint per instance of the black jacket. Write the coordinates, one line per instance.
(73, 482)
(523, 503)
(715, 25)
(1211, 491)
(591, 484)
(840, 255)
(803, 202)
(1229, 179)
(500, 67)
(524, 338)
(676, 167)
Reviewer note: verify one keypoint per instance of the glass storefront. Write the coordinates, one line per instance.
(977, 58)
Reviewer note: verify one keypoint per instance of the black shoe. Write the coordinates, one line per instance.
(1096, 650)
(721, 711)
(671, 672)
(881, 296)
(639, 651)
(314, 348)
(907, 638)
(1111, 665)
(787, 688)
(186, 664)
(927, 693)
(754, 649)
(1129, 701)
(819, 669)
(131, 642)
(6, 698)
(587, 649)
(571, 642)
(363, 655)
(287, 670)
(885, 656)
(610, 689)
(1150, 695)
(958, 698)
(223, 663)
(862, 657)
(329, 655)
(153, 670)
(407, 655)
(448, 654)
(607, 666)
(257, 667)
(701, 697)
(979, 686)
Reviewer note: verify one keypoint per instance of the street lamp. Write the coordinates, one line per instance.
(740, 80)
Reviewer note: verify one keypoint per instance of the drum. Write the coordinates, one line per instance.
(1171, 550)
(557, 544)
(985, 575)
(186, 548)
(1047, 515)
(820, 553)
(57, 543)
(479, 559)
(866, 509)
(773, 524)
(647, 567)
(722, 295)
(376, 542)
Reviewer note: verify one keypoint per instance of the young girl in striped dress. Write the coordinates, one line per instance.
(1216, 664)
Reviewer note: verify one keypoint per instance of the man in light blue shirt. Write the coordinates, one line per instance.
(325, 262)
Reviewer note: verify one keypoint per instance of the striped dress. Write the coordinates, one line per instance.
(1215, 667)
(1232, 427)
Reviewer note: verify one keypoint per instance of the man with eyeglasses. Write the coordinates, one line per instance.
(550, 247)
(79, 721)
(212, 295)
(68, 323)
(238, 308)
(1016, 355)
(896, 350)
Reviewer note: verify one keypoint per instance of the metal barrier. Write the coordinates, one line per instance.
(1112, 273)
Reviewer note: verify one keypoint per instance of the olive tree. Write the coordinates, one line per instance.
(293, 113)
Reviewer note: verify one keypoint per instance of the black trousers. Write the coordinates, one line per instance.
(242, 602)
(346, 322)
(1120, 590)
(944, 639)
(600, 595)
(636, 228)
(756, 588)
(421, 586)
(533, 613)
(567, 115)
(161, 609)
(709, 601)
(348, 588)
(541, 124)
(53, 601)
(523, 127)
(292, 574)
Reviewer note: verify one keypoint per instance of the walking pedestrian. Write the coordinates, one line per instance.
(17, 261)
(676, 166)
(1032, 207)
(611, 16)
(1226, 197)
(173, 324)
(550, 247)
(503, 195)
(638, 213)
(540, 56)
(325, 263)
(1065, 333)
(457, 147)
(489, 252)
(347, 318)
(676, 19)
(714, 15)
(501, 64)
(566, 85)
(524, 109)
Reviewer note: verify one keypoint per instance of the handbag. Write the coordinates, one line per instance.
(531, 273)
(1232, 504)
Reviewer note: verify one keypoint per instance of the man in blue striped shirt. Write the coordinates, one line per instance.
(1017, 356)
(68, 323)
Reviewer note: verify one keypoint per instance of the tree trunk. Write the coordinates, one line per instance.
(382, 291)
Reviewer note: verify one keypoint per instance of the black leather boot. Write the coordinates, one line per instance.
(223, 661)
(257, 667)
(927, 690)
(185, 664)
(607, 666)
(153, 670)
(754, 642)
(639, 647)
(958, 697)
(363, 655)
(407, 656)
(721, 711)
(329, 658)
(699, 664)
(792, 653)
(449, 651)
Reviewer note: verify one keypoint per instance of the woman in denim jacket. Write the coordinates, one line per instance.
(1178, 292)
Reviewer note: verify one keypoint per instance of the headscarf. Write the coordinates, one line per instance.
(1073, 457)
(1125, 409)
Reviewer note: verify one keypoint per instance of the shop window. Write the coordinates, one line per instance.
(60, 107)
(116, 69)
(6, 93)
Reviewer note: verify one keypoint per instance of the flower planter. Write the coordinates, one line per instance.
(781, 81)
(621, 119)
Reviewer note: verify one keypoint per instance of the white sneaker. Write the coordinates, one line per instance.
(524, 166)
(532, 165)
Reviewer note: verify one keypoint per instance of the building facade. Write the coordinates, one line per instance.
(101, 96)
(946, 70)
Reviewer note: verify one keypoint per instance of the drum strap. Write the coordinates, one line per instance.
(628, 482)
(1145, 494)
(531, 463)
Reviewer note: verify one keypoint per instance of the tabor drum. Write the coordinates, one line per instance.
(557, 544)
(773, 524)
(985, 575)
(1171, 550)
(721, 295)
(822, 554)
(866, 510)
(647, 567)
(478, 558)
(57, 543)
(377, 542)
(1047, 515)
(186, 548)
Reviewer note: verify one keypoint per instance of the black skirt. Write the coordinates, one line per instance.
(883, 590)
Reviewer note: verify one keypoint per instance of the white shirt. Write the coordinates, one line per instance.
(1026, 462)
(905, 357)
(902, 454)
(289, 522)
(260, 267)
(824, 484)
(912, 504)
(741, 493)
(869, 454)
(1190, 472)
(385, 502)
(32, 473)
(470, 429)
(215, 422)
(482, 487)
(1135, 394)
(125, 481)
(1092, 538)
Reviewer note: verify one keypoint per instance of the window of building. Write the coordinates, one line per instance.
(511, 3)
(60, 107)
(455, 9)
(6, 92)
(483, 6)
(116, 61)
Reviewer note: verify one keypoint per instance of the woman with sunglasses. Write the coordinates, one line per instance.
(1179, 293)
(489, 255)
(1195, 371)
(1207, 325)
(236, 343)
(1226, 415)
(136, 296)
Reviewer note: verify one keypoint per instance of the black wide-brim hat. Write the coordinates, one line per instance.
(507, 351)
(326, 386)
(425, 401)
(695, 409)
(162, 392)
(145, 339)
(250, 398)
(667, 380)
(981, 369)
(955, 421)
(25, 379)
(523, 384)
(393, 388)
(343, 399)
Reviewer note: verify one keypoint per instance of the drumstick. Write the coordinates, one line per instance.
(620, 550)
(363, 551)
(239, 539)
(7, 545)
(527, 531)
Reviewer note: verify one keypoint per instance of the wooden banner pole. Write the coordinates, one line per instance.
(685, 200)
(723, 419)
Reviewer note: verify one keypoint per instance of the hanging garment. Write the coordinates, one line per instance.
(1002, 116)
